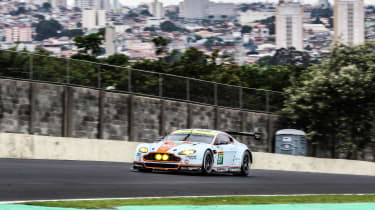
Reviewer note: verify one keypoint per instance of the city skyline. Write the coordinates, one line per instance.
(175, 2)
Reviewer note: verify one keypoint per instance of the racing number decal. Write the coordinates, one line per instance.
(220, 158)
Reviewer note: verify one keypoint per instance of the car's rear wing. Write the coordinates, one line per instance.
(256, 135)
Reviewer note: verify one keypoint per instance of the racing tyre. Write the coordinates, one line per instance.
(208, 162)
(245, 165)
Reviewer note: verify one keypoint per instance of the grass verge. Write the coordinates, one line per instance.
(202, 201)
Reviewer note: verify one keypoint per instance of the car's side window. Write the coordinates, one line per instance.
(222, 140)
(231, 141)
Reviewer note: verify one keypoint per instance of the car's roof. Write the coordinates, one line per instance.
(203, 131)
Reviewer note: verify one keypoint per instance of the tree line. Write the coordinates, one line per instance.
(333, 99)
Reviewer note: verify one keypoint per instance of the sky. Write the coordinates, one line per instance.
(175, 2)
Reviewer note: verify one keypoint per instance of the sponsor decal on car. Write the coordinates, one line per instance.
(220, 158)
(192, 157)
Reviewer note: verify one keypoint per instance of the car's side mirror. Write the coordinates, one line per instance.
(257, 136)
(160, 138)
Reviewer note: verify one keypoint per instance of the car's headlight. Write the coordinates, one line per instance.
(143, 149)
(188, 152)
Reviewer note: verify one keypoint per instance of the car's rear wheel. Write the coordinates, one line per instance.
(208, 162)
(246, 164)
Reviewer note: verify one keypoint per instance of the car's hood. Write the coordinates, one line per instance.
(173, 146)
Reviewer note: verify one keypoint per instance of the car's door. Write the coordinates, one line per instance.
(225, 151)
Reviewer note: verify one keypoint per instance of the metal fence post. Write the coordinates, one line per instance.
(160, 85)
(241, 98)
(267, 101)
(215, 94)
(187, 89)
(31, 71)
(67, 71)
(129, 80)
(99, 76)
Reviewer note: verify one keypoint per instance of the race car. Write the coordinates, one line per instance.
(200, 150)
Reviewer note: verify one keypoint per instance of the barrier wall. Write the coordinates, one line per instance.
(76, 112)
(58, 148)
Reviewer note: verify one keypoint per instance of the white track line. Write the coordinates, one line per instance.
(128, 198)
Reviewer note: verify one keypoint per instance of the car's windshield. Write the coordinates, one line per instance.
(193, 137)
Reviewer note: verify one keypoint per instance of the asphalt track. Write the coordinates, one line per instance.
(47, 180)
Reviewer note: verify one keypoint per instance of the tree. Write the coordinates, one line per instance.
(246, 29)
(213, 41)
(317, 21)
(71, 33)
(289, 56)
(84, 57)
(47, 28)
(335, 101)
(19, 11)
(131, 15)
(270, 23)
(173, 57)
(90, 44)
(46, 6)
(152, 29)
(168, 26)
(117, 60)
(161, 45)
(172, 15)
(321, 12)
(40, 17)
(145, 12)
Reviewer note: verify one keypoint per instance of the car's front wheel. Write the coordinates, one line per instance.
(246, 163)
(208, 162)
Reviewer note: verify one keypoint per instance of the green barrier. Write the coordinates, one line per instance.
(350, 206)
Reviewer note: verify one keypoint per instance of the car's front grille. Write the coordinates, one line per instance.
(151, 157)
(161, 165)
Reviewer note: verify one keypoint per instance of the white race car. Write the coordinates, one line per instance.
(200, 150)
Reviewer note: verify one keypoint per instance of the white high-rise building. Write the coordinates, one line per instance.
(349, 22)
(116, 5)
(110, 36)
(85, 4)
(102, 5)
(93, 19)
(181, 9)
(221, 11)
(157, 9)
(289, 25)
(195, 9)
(58, 3)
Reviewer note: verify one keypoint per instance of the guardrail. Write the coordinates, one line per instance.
(36, 67)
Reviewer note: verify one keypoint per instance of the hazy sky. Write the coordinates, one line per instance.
(168, 2)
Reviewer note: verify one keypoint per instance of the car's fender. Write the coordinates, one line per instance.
(197, 158)
(241, 149)
(138, 155)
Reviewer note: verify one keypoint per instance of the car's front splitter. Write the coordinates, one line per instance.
(166, 166)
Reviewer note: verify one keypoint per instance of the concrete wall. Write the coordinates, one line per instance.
(58, 148)
(60, 111)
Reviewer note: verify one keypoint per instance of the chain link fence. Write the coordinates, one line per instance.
(34, 67)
